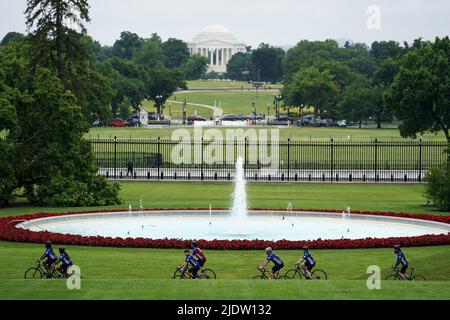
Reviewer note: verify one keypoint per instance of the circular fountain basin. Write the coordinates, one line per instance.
(261, 225)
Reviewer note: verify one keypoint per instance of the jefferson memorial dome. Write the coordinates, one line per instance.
(218, 45)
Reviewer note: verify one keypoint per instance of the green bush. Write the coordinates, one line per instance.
(8, 180)
(438, 188)
(67, 192)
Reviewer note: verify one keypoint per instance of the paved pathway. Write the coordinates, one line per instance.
(217, 112)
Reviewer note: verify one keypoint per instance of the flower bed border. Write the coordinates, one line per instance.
(9, 232)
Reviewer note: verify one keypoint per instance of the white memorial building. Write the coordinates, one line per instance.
(218, 45)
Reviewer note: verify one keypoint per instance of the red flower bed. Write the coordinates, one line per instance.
(9, 232)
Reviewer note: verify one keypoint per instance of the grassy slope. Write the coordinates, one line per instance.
(113, 273)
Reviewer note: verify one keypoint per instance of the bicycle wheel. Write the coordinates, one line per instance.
(392, 277)
(34, 273)
(293, 274)
(210, 274)
(259, 277)
(319, 275)
(418, 278)
(179, 277)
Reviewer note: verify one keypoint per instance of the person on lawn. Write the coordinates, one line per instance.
(307, 263)
(64, 261)
(48, 259)
(278, 263)
(198, 254)
(401, 259)
(190, 264)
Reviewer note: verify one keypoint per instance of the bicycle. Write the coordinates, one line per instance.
(204, 274)
(299, 273)
(410, 277)
(264, 275)
(38, 272)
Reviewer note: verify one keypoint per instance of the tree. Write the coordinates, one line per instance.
(420, 93)
(8, 122)
(12, 37)
(124, 108)
(57, 21)
(360, 101)
(163, 83)
(127, 44)
(195, 67)
(312, 87)
(268, 63)
(241, 68)
(176, 53)
(149, 54)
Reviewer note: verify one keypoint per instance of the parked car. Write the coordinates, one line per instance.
(133, 122)
(192, 119)
(97, 123)
(256, 117)
(234, 117)
(154, 116)
(280, 121)
(341, 123)
(118, 123)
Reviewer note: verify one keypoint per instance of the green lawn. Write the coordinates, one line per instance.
(295, 133)
(114, 273)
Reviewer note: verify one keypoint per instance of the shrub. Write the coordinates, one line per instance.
(68, 192)
(438, 188)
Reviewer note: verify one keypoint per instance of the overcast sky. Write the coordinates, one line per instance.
(278, 22)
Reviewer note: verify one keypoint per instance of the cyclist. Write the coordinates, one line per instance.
(278, 263)
(48, 259)
(198, 254)
(307, 263)
(191, 263)
(401, 259)
(65, 262)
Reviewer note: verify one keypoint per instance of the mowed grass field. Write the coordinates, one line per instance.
(294, 133)
(120, 273)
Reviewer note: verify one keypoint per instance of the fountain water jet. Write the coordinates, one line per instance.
(239, 210)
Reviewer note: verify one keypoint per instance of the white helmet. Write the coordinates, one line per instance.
(269, 249)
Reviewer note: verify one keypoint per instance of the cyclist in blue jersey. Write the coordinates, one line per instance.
(64, 261)
(190, 264)
(401, 259)
(48, 259)
(307, 263)
(278, 263)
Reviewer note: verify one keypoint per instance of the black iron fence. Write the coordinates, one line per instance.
(287, 161)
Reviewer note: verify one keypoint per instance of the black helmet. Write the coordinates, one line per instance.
(194, 243)
(48, 244)
(397, 246)
(306, 248)
(62, 250)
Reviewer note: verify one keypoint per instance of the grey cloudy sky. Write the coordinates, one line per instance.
(279, 22)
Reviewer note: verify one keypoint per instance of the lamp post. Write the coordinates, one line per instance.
(159, 105)
(268, 112)
(184, 112)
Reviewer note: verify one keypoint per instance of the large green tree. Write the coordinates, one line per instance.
(11, 37)
(241, 67)
(127, 44)
(420, 93)
(176, 53)
(312, 87)
(195, 67)
(268, 62)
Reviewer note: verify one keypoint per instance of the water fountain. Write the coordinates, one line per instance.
(236, 223)
(239, 209)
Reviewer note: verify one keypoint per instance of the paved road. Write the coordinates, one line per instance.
(217, 112)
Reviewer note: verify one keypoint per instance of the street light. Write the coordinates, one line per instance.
(159, 105)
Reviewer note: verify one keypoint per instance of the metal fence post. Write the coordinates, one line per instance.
(115, 157)
(289, 159)
(332, 158)
(376, 160)
(420, 160)
(158, 159)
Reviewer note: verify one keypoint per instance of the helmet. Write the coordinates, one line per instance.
(48, 244)
(305, 248)
(194, 243)
(397, 246)
(62, 250)
(269, 249)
